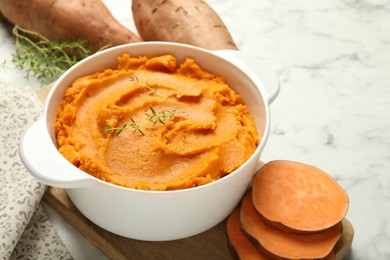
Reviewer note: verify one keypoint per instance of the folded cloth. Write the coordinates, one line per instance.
(30, 235)
(40, 240)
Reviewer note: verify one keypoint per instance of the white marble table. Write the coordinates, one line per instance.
(333, 111)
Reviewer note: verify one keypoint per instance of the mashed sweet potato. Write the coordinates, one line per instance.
(151, 124)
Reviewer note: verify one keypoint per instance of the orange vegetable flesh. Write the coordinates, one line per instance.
(286, 245)
(239, 245)
(299, 196)
(207, 134)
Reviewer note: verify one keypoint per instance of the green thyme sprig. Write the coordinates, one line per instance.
(153, 117)
(145, 86)
(161, 116)
(44, 59)
(112, 129)
(134, 125)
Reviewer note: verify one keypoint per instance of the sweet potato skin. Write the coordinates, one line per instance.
(69, 20)
(239, 245)
(192, 22)
(280, 245)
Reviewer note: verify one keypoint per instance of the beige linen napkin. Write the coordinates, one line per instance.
(25, 230)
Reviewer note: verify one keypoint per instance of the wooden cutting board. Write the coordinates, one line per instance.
(211, 244)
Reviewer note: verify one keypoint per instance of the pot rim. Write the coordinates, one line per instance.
(227, 56)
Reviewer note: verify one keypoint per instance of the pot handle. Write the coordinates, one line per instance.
(42, 159)
(253, 64)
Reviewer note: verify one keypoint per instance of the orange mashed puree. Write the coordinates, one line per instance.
(151, 124)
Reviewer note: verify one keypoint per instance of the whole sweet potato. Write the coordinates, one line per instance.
(186, 21)
(88, 20)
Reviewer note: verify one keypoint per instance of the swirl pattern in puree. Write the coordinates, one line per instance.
(151, 124)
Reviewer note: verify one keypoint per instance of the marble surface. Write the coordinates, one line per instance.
(333, 111)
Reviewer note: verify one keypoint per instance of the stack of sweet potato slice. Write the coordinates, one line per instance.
(292, 211)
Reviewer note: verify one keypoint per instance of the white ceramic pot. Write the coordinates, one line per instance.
(153, 215)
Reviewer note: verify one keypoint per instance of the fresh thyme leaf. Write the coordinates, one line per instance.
(152, 90)
(145, 86)
(109, 128)
(155, 117)
(120, 129)
(134, 78)
(43, 58)
(136, 126)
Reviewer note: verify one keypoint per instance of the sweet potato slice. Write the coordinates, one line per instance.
(298, 196)
(277, 244)
(185, 21)
(239, 245)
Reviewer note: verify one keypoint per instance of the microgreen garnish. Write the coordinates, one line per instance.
(145, 86)
(155, 117)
